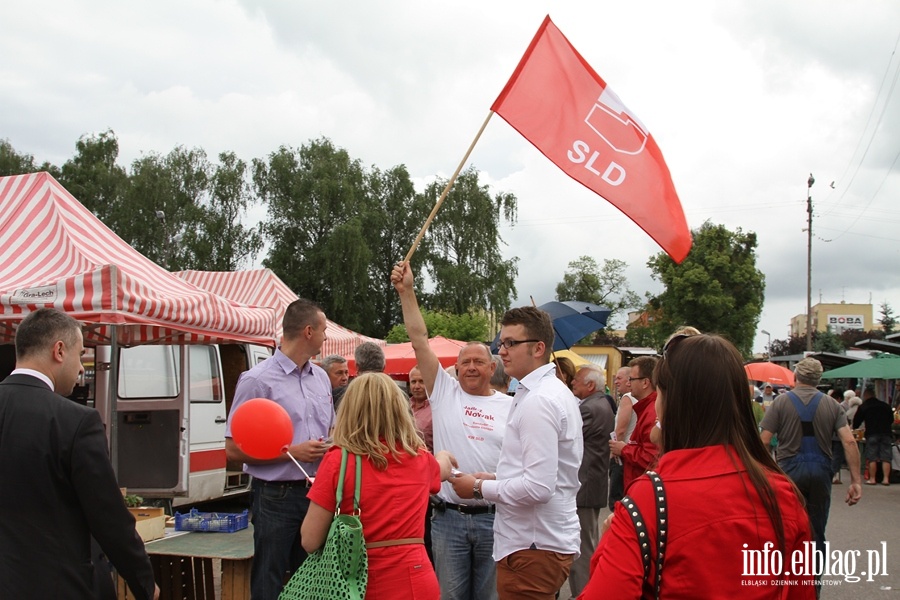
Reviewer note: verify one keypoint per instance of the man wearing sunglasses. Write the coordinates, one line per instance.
(640, 451)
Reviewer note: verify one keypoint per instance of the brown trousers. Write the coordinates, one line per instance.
(532, 574)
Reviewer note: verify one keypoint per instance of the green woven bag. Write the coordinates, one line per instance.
(339, 570)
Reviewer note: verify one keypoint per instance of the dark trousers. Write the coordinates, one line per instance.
(616, 483)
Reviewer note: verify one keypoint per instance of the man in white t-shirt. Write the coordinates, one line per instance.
(536, 533)
(469, 420)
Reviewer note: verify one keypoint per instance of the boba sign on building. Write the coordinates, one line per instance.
(840, 323)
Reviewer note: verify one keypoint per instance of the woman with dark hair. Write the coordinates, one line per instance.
(724, 508)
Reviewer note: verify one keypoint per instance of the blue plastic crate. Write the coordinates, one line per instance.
(215, 522)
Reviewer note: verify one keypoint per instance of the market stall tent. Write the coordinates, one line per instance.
(262, 287)
(56, 253)
(401, 358)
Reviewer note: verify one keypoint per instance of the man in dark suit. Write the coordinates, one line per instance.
(598, 421)
(57, 486)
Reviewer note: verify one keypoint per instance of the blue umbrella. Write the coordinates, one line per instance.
(572, 320)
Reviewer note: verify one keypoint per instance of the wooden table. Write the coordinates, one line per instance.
(183, 565)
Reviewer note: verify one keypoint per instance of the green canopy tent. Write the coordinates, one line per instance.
(883, 366)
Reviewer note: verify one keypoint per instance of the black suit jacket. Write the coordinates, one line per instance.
(599, 422)
(57, 489)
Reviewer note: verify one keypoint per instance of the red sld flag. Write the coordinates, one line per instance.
(559, 103)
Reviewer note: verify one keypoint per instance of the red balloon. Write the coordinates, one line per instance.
(262, 428)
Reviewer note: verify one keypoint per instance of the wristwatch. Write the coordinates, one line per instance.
(476, 490)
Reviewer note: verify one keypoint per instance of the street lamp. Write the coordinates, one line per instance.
(809, 211)
(768, 344)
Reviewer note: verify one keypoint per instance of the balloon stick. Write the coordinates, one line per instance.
(310, 479)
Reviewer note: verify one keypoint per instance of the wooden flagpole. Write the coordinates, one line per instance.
(446, 191)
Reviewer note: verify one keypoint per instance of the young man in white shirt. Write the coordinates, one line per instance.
(536, 529)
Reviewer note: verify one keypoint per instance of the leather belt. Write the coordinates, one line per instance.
(465, 509)
(286, 484)
(398, 542)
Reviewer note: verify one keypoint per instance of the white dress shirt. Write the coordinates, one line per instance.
(537, 476)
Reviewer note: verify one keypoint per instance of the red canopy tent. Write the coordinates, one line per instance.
(262, 287)
(56, 253)
(400, 358)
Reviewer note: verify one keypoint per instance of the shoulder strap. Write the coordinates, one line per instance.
(806, 412)
(339, 493)
(662, 527)
(662, 530)
(643, 538)
(357, 457)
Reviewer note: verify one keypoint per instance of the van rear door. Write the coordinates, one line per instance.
(152, 429)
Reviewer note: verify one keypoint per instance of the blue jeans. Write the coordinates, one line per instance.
(463, 547)
(278, 511)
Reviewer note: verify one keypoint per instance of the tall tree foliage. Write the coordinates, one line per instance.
(463, 247)
(164, 201)
(14, 163)
(94, 177)
(470, 327)
(316, 203)
(391, 225)
(888, 320)
(223, 242)
(717, 288)
(587, 281)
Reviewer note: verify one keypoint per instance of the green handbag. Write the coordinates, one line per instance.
(339, 570)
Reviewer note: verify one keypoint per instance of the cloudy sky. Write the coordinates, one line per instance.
(745, 98)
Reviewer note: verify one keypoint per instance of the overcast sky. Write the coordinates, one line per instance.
(744, 97)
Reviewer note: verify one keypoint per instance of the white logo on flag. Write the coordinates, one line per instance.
(614, 123)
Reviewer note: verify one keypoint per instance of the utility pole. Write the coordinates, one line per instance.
(809, 235)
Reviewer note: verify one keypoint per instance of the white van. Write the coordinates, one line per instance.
(167, 431)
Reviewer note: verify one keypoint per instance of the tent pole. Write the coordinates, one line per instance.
(113, 401)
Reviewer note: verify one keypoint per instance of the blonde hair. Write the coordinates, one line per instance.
(374, 420)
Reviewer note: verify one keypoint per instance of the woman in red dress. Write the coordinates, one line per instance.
(398, 476)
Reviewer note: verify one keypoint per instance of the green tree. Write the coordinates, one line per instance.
(13, 163)
(316, 200)
(650, 331)
(828, 341)
(849, 337)
(796, 344)
(221, 242)
(163, 213)
(470, 327)
(96, 180)
(586, 281)
(717, 288)
(462, 248)
(391, 222)
(888, 320)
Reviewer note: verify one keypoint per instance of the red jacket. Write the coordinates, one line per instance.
(713, 512)
(639, 453)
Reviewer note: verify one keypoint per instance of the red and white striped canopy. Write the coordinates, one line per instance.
(56, 253)
(262, 287)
